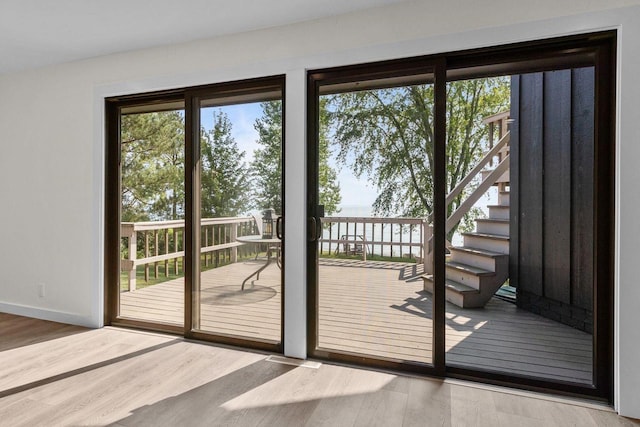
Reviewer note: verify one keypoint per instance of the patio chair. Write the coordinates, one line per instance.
(353, 247)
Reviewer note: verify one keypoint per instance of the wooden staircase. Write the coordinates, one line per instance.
(477, 269)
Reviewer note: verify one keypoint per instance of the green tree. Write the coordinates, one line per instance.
(387, 135)
(329, 188)
(224, 177)
(267, 159)
(267, 164)
(152, 147)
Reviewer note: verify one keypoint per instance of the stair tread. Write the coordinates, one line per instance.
(498, 206)
(455, 286)
(469, 269)
(487, 235)
(496, 220)
(477, 251)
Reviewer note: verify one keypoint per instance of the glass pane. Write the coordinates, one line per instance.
(376, 185)
(535, 320)
(241, 199)
(152, 229)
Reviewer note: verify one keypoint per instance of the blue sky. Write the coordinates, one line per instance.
(242, 117)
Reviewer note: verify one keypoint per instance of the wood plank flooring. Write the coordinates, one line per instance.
(69, 376)
(378, 309)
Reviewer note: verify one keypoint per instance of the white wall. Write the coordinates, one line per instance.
(51, 131)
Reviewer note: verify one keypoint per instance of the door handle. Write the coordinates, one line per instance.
(279, 228)
(313, 229)
(315, 224)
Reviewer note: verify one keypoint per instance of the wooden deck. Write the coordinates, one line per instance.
(225, 308)
(378, 309)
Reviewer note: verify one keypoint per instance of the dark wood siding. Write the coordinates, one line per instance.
(514, 183)
(552, 220)
(530, 193)
(557, 185)
(583, 184)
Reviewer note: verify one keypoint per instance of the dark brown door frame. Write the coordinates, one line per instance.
(597, 49)
(191, 97)
(396, 73)
(113, 107)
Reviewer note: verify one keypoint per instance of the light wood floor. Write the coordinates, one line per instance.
(378, 309)
(57, 375)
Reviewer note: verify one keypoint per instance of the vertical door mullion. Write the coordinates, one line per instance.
(604, 214)
(113, 215)
(439, 215)
(313, 95)
(192, 214)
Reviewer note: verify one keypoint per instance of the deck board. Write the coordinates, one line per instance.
(377, 309)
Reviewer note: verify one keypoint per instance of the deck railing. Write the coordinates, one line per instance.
(163, 244)
(159, 245)
(366, 236)
(488, 181)
(499, 153)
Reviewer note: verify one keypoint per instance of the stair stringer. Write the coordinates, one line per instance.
(488, 285)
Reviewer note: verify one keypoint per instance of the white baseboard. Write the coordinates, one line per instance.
(51, 315)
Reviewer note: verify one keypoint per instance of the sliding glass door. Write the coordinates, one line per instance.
(461, 214)
(195, 212)
(532, 207)
(149, 140)
(238, 291)
(375, 160)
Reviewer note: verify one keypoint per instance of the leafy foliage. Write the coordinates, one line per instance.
(267, 160)
(329, 187)
(386, 135)
(152, 166)
(267, 164)
(224, 175)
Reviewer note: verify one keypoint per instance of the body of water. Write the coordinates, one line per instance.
(387, 232)
(391, 233)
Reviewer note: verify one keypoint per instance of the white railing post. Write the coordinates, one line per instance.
(427, 249)
(133, 249)
(234, 249)
(166, 252)
(364, 242)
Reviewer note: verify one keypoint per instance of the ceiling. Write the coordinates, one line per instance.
(35, 33)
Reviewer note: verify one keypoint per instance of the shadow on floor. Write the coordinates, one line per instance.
(221, 402)
(202, 405)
